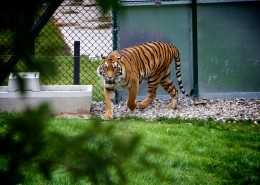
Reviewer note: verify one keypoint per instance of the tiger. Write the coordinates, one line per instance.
(128, 67)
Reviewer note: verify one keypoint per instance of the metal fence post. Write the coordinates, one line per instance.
(115, 45)
(195, 48)
(76, 62)
(115, 29)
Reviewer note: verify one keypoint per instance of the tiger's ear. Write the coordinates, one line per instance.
(120, 58)
(103, 57)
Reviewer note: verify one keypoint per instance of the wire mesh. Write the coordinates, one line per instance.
(74, 20)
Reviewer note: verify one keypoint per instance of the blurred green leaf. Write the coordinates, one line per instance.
(99, 154)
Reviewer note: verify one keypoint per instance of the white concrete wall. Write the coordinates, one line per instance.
(62, 99)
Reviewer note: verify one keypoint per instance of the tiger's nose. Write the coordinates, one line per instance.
(109, 80)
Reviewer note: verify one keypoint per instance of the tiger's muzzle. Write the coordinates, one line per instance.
(110, 80)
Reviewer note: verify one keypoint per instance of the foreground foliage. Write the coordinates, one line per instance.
(127, 151)
(33, 149)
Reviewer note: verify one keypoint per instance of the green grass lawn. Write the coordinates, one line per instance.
(165, 151)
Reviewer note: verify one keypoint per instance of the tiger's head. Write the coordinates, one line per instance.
(111, 69)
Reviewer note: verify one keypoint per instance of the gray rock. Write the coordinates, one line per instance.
(220, 110)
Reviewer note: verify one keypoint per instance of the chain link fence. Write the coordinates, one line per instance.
(74, 20)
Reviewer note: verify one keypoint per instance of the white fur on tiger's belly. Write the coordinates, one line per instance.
(114, 86)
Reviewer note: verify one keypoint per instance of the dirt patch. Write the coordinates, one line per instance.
(75, 115)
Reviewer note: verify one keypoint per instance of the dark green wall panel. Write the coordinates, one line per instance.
(164, 23)
(228, 43)
(229, 48)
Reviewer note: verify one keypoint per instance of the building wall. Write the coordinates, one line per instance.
(229, 48)
(228, 43)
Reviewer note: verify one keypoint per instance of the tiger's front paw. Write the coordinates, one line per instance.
(131, 106)
(107, 116)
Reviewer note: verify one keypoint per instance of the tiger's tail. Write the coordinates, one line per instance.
(178, 73)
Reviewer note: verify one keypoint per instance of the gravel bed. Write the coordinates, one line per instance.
(219, 109)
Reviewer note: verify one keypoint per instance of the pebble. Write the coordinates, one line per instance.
(216, 109)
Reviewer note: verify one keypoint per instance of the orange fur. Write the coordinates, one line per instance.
(126, 68)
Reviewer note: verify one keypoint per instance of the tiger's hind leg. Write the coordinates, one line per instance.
(150, 97)
(153, 83)
(167, 84)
